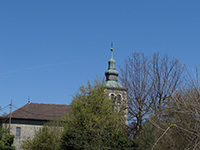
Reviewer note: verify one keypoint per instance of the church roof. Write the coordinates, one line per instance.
(113, 85)
(40, 111)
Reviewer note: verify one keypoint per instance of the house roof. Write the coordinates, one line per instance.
(39, 111)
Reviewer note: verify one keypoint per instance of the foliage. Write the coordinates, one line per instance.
(93, 124)
(6, 140)
(47, 137)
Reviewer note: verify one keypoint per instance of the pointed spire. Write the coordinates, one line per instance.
(111, 62)
(112, 74)
(111, 49)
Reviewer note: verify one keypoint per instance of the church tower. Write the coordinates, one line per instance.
(116, 92)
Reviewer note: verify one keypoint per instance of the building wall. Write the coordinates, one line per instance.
(27, 131)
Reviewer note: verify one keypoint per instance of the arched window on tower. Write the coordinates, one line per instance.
(118, 102)
(119, 99)
(112, 97)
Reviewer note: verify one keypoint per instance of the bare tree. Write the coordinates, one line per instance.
(150, 81)
(184, 113)
(177, 127)
(136, 78)
(165, 76)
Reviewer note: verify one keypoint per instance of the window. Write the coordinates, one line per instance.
(119, 99)
(18, 131)
(118, 102)
(112, 97)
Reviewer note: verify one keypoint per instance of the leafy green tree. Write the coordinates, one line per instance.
(93, 124)
(6, 140)
(47, 138)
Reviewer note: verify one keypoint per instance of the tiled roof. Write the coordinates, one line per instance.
(39, 111)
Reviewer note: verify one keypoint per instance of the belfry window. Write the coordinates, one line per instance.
(118, 102)
(119, 99)
(112, 97)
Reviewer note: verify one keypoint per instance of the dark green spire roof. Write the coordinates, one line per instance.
(112, 74)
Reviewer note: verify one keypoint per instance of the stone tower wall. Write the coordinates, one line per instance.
(123, 94)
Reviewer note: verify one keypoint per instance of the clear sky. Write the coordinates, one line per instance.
(48, 48)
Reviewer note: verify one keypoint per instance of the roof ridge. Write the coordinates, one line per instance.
(46, 103)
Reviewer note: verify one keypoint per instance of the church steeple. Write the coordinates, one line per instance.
(113, 88)
(112, 74)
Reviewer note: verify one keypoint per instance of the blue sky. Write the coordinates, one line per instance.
(49, 48)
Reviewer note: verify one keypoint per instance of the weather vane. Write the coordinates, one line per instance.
(111, 44)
